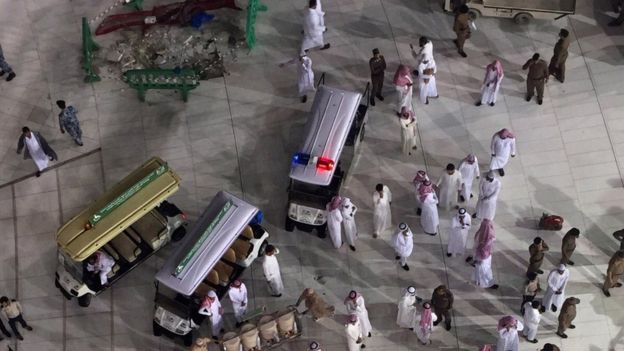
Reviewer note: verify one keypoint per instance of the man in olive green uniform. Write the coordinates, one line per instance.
(442, 301)
(536, 78)
(614, 272)
(567, 315)
(560, 55)
(568, 245)
(536, 250)
(461, 27)
(377, 67)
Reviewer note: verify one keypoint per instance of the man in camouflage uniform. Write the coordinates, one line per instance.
(68, 121)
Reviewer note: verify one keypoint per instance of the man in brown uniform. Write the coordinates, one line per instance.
(315, 304)
(567, 315)
(536, 78)
(560, 55)
(461, 27)
(442, 302)
(536, 250)
(568, 245)
(614, 272)
(550, 347)
(377, 67)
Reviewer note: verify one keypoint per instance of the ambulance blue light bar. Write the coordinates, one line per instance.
(301, 158)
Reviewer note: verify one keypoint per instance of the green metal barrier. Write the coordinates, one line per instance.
(143, 80)
(250, 28)
(88, 47)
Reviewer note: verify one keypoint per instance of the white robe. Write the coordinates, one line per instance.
(531, 321)
(306, 76)
(489, 93)
(238, 296)
(334, 220)
(382, 216)
(428, 89)
(36, 152)
(459, 234)
(319, 9)
(469, 172)
(482, 275)
(102, 267)
(403, 245)
(556, 282)
(313, 28)
(429, 219)
(348, 210)
(408, 134)
(508, 340)
(406, 311)
(359, 308)
(501, 149)
(488, 195)
(423, 335)
(271, 269)
(214, 313)
(449, 186)
(404, 96)
(353, 333)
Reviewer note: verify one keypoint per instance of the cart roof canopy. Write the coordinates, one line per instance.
(554, 6)
(326, 130)
(125, 203)
(203, 246)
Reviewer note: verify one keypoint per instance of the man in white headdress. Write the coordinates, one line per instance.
(460, 225)
(353, 332)
(313, 28)
(403, 243)
(408, 130)
(382, 217)
(469, 170)
(449, 185)
(425, 50)
(305, 76)
(334, 220)
(36, 148)
(531, 320)
(491, 83)
(427, 87)
(271, 270)
(555, 293)
(354, 302)
(211, 307)
(508, 328)
(419, 179)
(348, 211)
(429, 218)
(489, 188)
(238, 296)
(502, 146)
(407, 308)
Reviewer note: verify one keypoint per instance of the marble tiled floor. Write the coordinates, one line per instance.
(237, 134)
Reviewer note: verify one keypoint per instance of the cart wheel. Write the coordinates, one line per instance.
(523, 18)
(84, 300)
(156, 329)
(474, 14)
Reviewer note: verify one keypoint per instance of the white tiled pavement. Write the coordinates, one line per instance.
(238, 133)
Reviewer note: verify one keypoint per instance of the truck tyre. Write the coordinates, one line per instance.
(188, 339)
(156, 329)
(289, 225)
(522, 18)
(474, 14)
(178, 234)
(321, 231)
(84, 300)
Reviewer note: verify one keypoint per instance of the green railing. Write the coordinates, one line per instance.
(250, 28)
(88, 47)
(143, 80)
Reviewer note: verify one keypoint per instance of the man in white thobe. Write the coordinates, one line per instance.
(334, 221)
(491, 83)
(449, 185)
(313, 28)
(211, 307)
(407, 308)
(555, 293)
(354, 303)
(429, 217)
(469, 170)
(489, 188)
(460, 225)
(382, 217)
(271, 269)
(305, 76)
(531, 320)
(353, 332)
(348, 211)
(426, 80)
(37, 149)
(508, 335)
(403, 243)
(503, 145)
(419, 180)
(101, 264)
(408, 131)
(238, 296)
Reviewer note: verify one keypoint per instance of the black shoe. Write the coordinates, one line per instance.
(326, 46)
(435, 323)
(474, 215)
(10, 76)
(570, 263)
(381, 98)
(572, 326)
(606, 293)
(352, 247)
(563, 335)
(478, 103)
(463, 54)
(29, 328)
(397, 257)
(406, 267)
(471, 195)
(419, 211)
(369, 334)
(559, 79)
(614, 23)
(79, 143)
(618, 285)
(448, 254)
(1, 73)
(462, 198)
(19, 336)
(447, 327)
(539, 271)
(469, 258)
(372, 101)
(363, 346)
(38, 174)
(278, 295)
(415, 73)
(304, 99)
(492, 104)
(528, 98)
(542, 309)
(493, 287)
(501, 172)
(553, 308)
(533, 341)
(539, 102)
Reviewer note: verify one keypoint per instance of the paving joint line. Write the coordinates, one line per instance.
(15, 240)
(60, 206)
